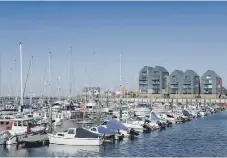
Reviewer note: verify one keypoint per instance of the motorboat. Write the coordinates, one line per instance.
(76, 136)
(116, 125)
(20, 126)
(167, 117)
(142, 109)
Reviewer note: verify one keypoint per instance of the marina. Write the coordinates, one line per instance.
(116, 79)
(190, 138)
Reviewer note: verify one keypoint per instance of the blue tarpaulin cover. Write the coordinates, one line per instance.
(104, 130)
(154, 117)
(116, 125)
(204, 107)
(185, 113)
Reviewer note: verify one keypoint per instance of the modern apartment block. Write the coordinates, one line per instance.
(211, 83)
(176, 81)
(159, 79)
(156, 80)
(191, 83)
(145, 79)
(153, 80)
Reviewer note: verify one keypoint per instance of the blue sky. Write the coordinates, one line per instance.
(176, 35)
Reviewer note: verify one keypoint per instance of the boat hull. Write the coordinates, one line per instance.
(75, 141)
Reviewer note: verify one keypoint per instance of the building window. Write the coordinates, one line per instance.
(156, 72)
(187, 77)
(209, 86)
(15, 123)
(208, 77)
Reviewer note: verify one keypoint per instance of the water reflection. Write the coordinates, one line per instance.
(13, 150)
(66, 150)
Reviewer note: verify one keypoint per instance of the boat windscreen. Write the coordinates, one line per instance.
(83, 133)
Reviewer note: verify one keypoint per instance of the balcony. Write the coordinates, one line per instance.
(155, 88)
(143, 82)
(155, 83)
(174, 83)
(207, 82)
(155, 77)
(187, 81)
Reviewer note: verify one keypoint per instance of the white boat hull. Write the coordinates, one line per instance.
(58, 122)
(136, 127)
(53, 139)
(142, 113)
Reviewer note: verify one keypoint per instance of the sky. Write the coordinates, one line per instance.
(176, 35)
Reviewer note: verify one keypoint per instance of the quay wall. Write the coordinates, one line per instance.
(173, 96)
(178, 100)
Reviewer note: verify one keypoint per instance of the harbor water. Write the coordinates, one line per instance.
(205, 136)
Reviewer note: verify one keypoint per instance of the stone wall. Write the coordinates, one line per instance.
(173, 96)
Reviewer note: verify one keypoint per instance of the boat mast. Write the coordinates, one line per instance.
(44, 87)
(58, 85)
(49, 96)
(31, 81)
(93, 89)
(10, 77)
(21, 78)
(15, 61)
(49, 77)
(120, 85)
(0, 77)
(70, 73)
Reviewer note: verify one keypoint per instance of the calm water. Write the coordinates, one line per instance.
(202, 137)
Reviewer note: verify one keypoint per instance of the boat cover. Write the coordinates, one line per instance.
(116, 125)
(185, 113)
(104, 130)
(154, 117)
(204, 107)
(83, 133)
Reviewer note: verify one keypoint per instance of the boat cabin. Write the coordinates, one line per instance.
(19, 125)
(91, 107)
(77, 133)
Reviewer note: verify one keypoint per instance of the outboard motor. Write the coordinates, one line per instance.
(146, 128)
(183, 120)
(169, 123)
(133, 133)
(5, 137)
(161, 125)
